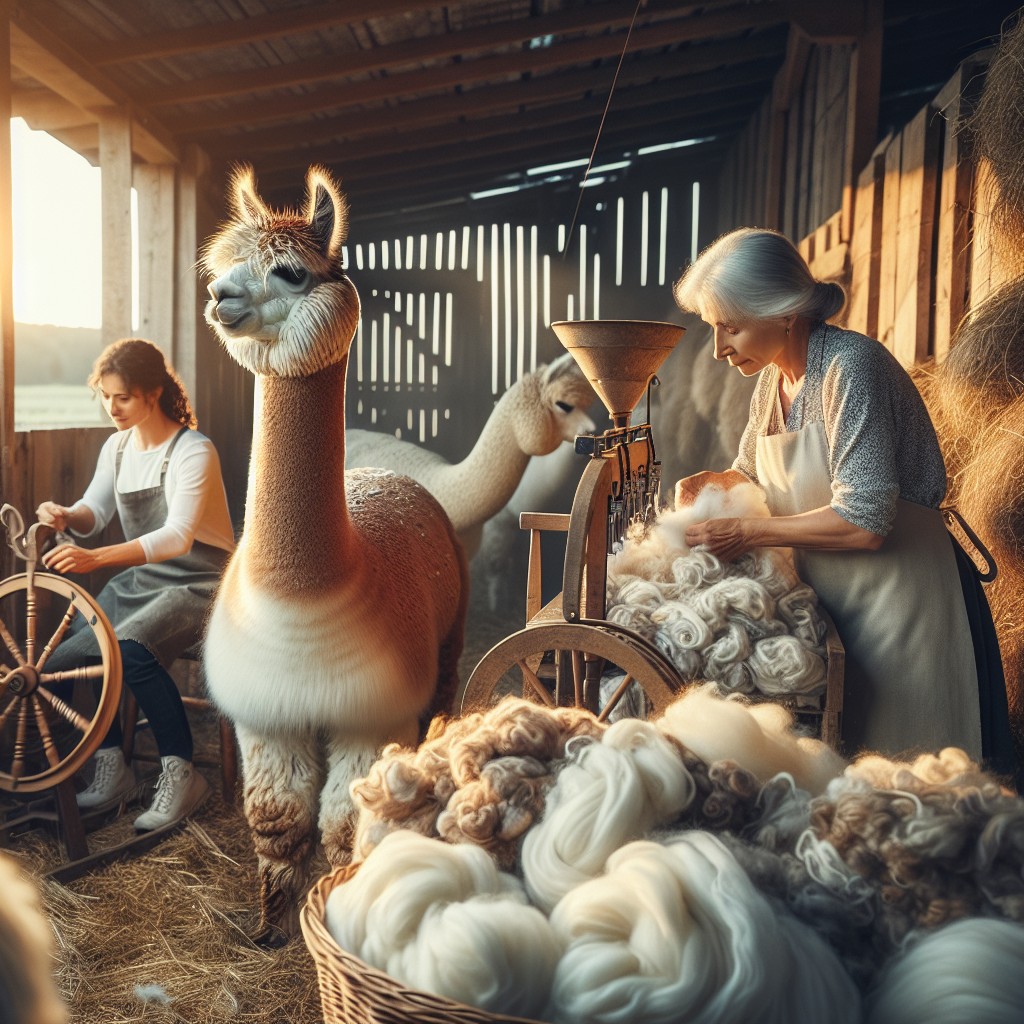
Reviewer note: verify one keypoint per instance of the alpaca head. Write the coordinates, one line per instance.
(281, 302)
(557, 397)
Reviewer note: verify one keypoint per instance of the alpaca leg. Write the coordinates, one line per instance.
(348, 758)
(282, 780)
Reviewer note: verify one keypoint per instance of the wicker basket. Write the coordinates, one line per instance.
(352, 992)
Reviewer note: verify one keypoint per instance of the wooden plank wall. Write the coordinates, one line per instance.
(911, 247)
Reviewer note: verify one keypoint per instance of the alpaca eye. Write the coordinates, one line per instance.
(286, 273)
(565, 406)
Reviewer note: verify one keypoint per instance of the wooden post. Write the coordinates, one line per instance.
(7, 439)
(116, 170)
(914, 281)
(866, 245)
(957, 173)
(154, 185)
(862, 111)
(186, 212)
(890, 230)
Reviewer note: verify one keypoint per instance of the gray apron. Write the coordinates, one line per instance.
(910, 683)
(161, 605)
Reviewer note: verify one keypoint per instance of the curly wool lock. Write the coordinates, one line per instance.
(937, 838)
(710, 617)
(450, 772)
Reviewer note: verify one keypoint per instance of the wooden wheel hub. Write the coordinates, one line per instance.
(21, 681)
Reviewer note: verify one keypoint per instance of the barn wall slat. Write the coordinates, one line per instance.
(915, 241)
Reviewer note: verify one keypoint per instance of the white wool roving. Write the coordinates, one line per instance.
(677, 933)
(27, 989)
(497, 956)
(414, 897)
(612, 792)
(969, 971)
(758, 737)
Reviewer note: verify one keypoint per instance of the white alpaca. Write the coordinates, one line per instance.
(533, 417)
(339, 621)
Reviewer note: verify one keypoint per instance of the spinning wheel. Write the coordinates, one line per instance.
(46, 736)
(568, 653)
(566, 664)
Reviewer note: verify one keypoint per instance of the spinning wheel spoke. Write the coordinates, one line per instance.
(18, 764)
(68, 713)
(6, 713)
(614, 699)
(49, 746)
(72, 675)
(9, 643)
(58, 635)
(30, 620)
(535, 683)
(578, 677)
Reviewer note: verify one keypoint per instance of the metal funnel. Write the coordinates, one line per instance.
(618, 357)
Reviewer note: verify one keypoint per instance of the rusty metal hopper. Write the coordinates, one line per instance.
(619, 357)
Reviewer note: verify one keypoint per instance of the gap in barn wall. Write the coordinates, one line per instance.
(470, 303)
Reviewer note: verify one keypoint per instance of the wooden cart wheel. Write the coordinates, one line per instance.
(575, 656)
(45, 737)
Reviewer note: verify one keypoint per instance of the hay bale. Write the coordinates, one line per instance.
(976, 400)
(996, 133)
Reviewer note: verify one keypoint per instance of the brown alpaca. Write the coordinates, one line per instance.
(339, 622)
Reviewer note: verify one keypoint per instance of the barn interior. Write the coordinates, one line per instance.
(508, 163)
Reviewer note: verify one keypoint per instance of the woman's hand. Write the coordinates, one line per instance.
(50, 513)
(69, 558)
(725, 538)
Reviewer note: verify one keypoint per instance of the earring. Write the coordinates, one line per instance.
(787, 332)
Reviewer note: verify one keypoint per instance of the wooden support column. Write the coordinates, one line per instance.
(116, 171)
(862, 110)
(154, 185)
(187, 296)
(8, 492)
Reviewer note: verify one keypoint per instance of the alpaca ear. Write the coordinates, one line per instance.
(564, 364)
(247, 203)
(326, 211)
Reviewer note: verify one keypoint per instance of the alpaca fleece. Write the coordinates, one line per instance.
(748, 625)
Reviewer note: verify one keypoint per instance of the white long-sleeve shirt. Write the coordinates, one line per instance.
(197, 505)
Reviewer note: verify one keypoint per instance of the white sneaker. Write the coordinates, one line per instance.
(113, 780)
(179, 791)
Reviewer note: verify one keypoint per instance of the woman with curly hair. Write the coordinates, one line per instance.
(162, 478)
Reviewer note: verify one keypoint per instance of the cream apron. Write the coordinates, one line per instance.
(911, 682)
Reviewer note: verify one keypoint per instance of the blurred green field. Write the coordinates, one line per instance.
(44, 406)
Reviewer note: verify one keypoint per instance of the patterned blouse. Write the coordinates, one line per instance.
(882, 445)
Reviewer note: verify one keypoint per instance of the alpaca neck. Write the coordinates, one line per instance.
(298, 535)
(492, 470)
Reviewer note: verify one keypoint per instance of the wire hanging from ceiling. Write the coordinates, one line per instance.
(600, 127)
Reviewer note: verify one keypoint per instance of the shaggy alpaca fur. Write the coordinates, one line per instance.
(28, 994)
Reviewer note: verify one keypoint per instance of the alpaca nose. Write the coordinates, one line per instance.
(224, 289)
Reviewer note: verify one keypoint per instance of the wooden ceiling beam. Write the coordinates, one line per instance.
(45, 111)
(491, 163)
(253, 28)
(701, 76)
(435, 146)
(355, 94)
(453, 44)
(42, 55)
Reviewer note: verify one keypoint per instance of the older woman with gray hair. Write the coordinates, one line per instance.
(842, 444)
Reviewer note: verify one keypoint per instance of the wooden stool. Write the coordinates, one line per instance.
(228, 763)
